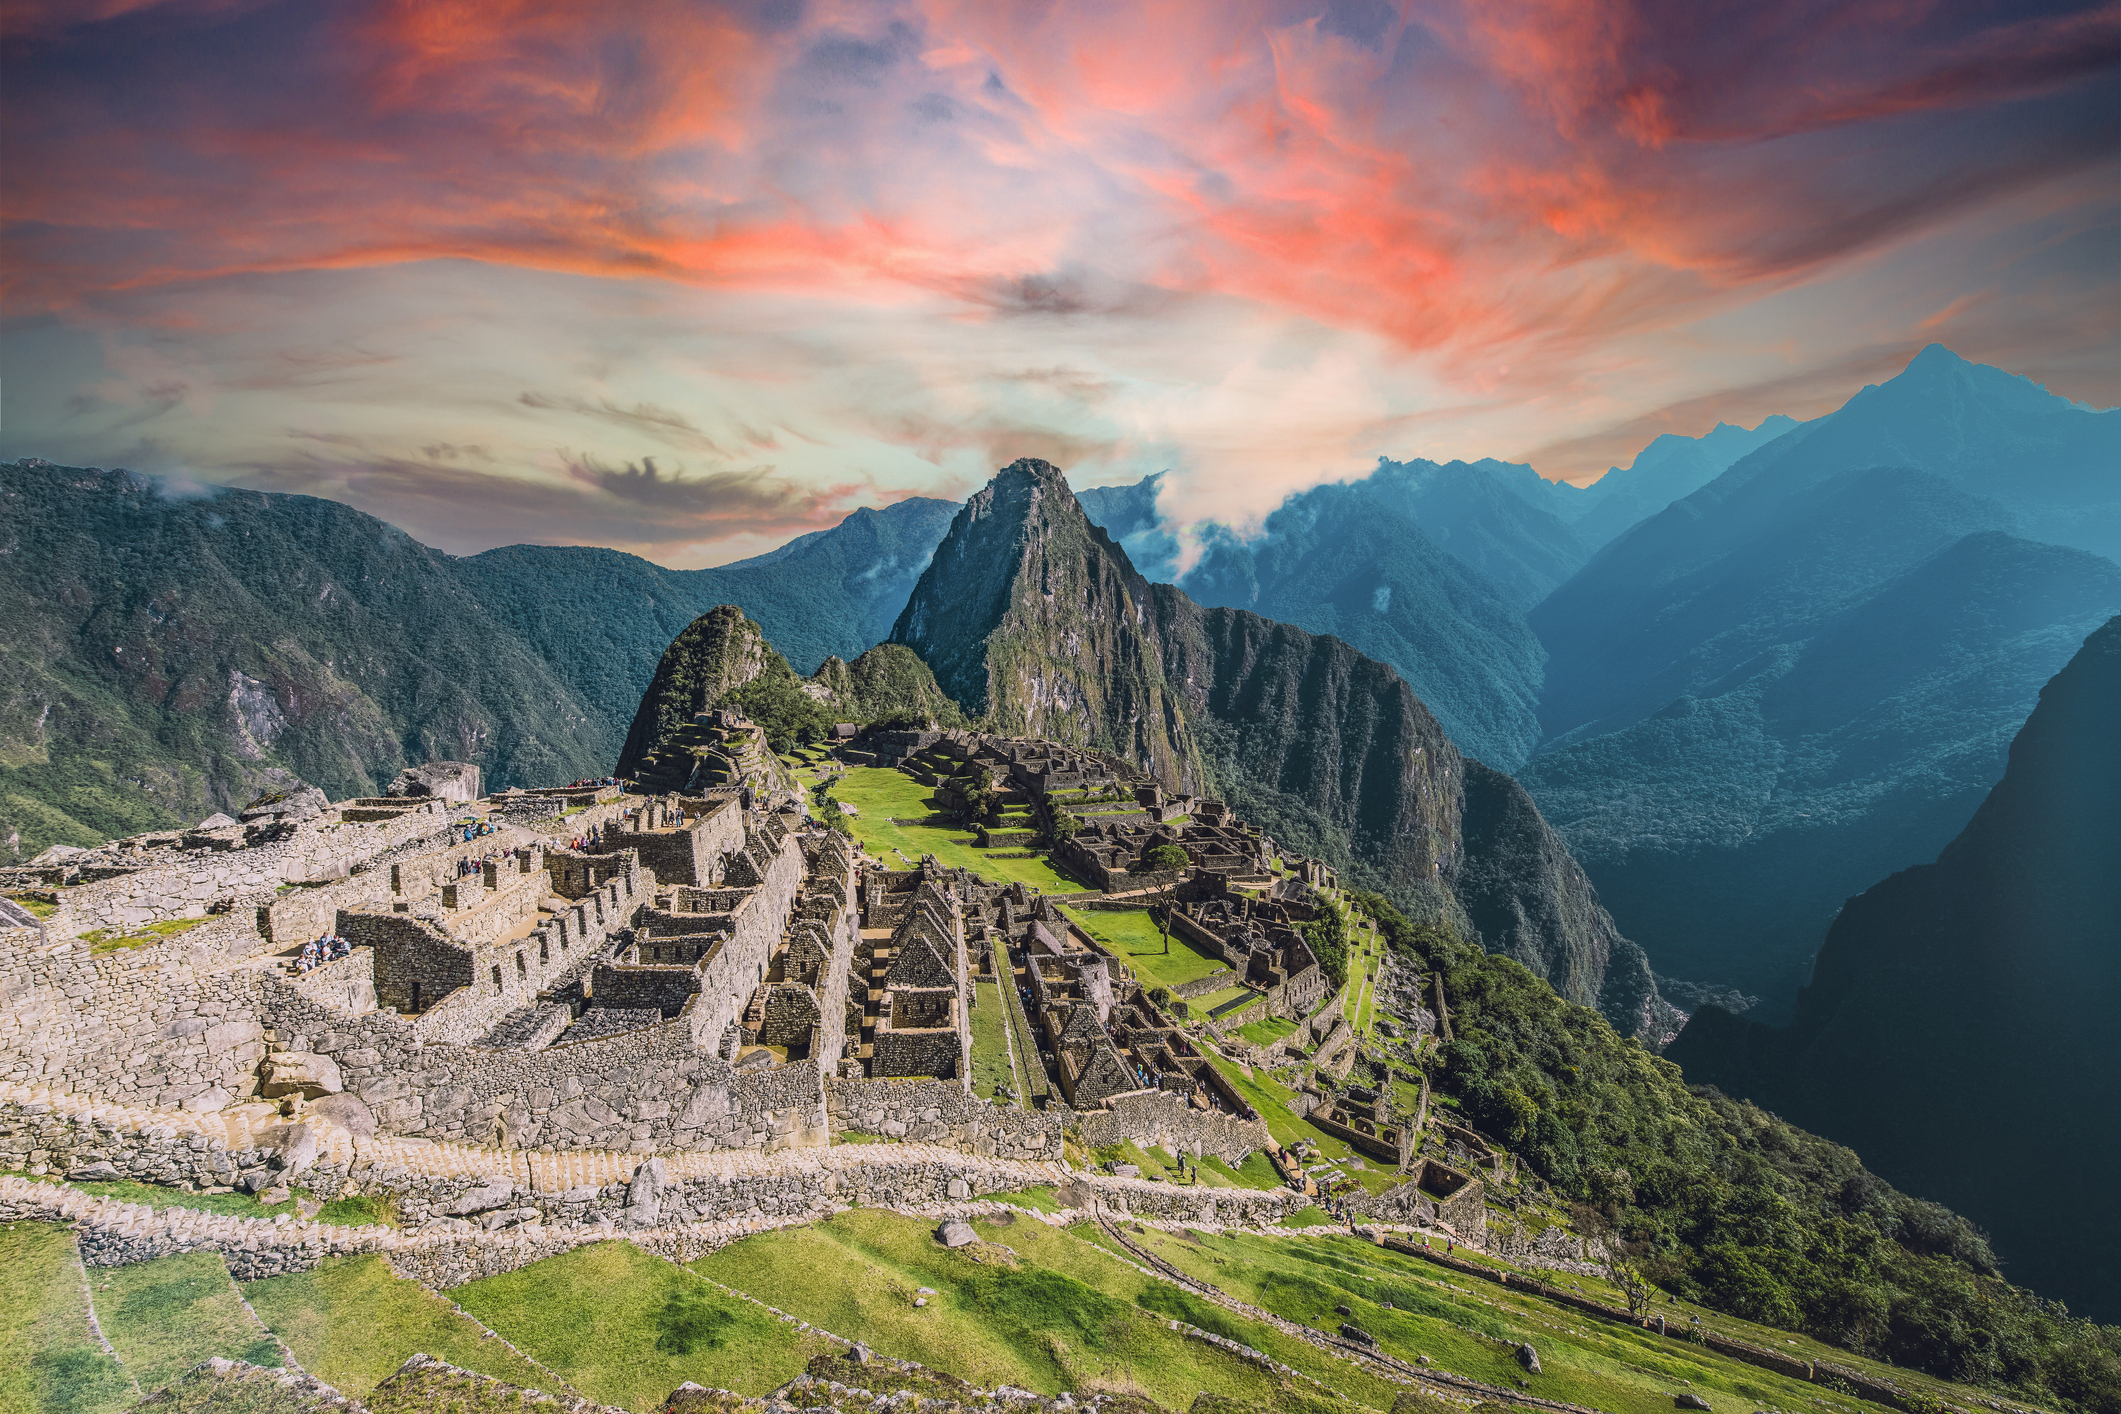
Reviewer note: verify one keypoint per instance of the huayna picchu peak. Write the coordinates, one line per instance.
(1034, 617)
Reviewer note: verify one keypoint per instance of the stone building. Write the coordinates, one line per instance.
(913, 976)
(1262, 941)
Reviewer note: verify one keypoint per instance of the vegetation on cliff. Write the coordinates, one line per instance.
(887, 686)
(170, 654)
(722, 659)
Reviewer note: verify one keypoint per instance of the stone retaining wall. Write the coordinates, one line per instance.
(1152, 1117)
(186, 885)
(941, 1112)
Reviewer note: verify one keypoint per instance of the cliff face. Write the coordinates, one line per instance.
(1530, 900)
(1960, 1018)
(717, 652)
(1035, 617)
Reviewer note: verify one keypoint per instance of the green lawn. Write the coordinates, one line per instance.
(1203, 1005)
(1603, 1365)
(352, 1321)
(880, 793)
(1134, 936)
(990, 1040)
(1267, 1031)
(1057, 1313)
(627, 1328)
(167, 1315)
(49, 1358)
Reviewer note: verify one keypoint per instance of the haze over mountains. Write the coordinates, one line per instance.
(1959, 1026)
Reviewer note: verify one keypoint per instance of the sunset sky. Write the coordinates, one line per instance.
(689, 278)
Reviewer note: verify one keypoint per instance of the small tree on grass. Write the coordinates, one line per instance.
(1065, 827)
(1166, 859)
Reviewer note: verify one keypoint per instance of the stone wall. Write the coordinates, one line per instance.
(161, 1026)
(407, 951)
(940, 1112)
(189, 882)
(728, 978)
(1156, 1117)
(1432, 1193)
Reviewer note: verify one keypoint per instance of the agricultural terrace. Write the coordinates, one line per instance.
(881, 795)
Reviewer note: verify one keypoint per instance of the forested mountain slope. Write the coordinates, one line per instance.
(1804, 675)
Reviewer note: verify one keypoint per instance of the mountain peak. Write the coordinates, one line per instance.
(1935, 357)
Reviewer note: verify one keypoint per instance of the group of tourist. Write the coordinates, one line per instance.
(318, 951)
(468, 865)
(474, 828)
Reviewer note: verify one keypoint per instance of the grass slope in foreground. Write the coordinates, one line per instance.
(351, 1322)
(165, 1316)
(627, 1328)
(1029, 1306)
(50, 1359)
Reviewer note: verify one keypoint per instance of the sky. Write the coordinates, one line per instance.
(690, 278)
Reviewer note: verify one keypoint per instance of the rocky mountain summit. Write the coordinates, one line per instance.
(1037, 618)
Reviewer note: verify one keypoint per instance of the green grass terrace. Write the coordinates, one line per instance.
(882, 794)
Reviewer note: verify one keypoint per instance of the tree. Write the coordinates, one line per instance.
(1166, 858)
(972, 795)
(1065, 827)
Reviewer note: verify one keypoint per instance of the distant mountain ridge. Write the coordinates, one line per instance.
(1037, 618)
(1669, 469)
(170, 655)
(1975, 998)
(1805, 675)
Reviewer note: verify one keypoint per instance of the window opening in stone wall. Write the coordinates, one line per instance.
(416, 996)
(544, 952)
(497, 977)
(521, 970)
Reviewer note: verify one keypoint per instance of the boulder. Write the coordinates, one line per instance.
(956, 1234)
(296, 1145)
(209, 1101)
(301, 1073)
(1528, 1357)
(453, 781)
(482, 1199)
(291, 801)
(644, 1195)
(1689, 1401)
(347, 1112)
(101, 1171)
